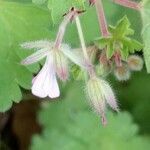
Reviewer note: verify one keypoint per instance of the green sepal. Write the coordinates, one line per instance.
(119, 40)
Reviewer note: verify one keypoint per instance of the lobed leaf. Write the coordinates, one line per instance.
(69, 125)
(16, 26)
(145, 13)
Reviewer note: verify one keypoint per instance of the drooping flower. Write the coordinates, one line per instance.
(98, 90)
(45, 83)
(100, 94)
(56, 55)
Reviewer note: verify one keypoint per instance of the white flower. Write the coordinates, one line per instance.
(100, 94)
(45, 83)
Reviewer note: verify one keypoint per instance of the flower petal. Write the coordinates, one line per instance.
(35, 57)
(37, 44)
(61, 65)
(40, 82)
(45, 83)
(74, 55)
(109, 95)
(53, 87)
(53, 91)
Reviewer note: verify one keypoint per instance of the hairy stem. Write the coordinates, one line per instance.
(101, 18)
(80, 32)
(88, 63)
(129, 4)
(62, 29)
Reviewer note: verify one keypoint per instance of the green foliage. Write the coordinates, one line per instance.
(145, 12)
(59, 7)
(134, 96)
(17, 25)
(69, 125)
(77, 73)
(22, 21)
(119, 40)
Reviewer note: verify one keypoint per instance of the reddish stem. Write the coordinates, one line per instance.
(129, 4)
(101, 18)
(62, 28)
(103, 120)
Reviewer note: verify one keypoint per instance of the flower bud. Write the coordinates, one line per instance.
(122, 73)
(61, 64)
(135, 63)
(117, 58)
(100, 94)
(103, 70)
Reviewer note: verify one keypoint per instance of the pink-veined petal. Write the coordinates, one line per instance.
(35, 57)
(37, 44)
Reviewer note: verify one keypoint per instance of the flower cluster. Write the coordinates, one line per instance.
(45, 83)
(121, 68)
(56, 65)
(58, 55)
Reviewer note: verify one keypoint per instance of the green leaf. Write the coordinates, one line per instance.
(16, 26)
(145, 13)
(137, 103)
(122, 28)
(59, 7)
(22, 22)
(77, 73)
(125, 53)
(69, 125)
(110, 50)
(136, 45)
(132, 45)
(39, 2)
(119, 40)
(102, 42)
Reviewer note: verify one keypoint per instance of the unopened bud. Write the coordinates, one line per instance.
(122, 73)
(117, 58)
(135, 63)
(103, 70)
(100, 94)
(105, 65)
(61, 64)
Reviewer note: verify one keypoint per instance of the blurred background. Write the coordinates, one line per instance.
(67, 123)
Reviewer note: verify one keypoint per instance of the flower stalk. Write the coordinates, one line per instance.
(101, 18)
(98, 90)
(129, 4)
(62, 28)
(88, 64)
(81, 37)
(45, 82)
